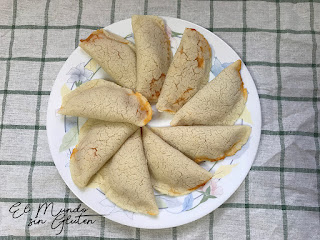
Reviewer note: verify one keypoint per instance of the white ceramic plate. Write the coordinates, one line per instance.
(174, 211)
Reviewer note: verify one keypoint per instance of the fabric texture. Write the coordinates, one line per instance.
(278, 42)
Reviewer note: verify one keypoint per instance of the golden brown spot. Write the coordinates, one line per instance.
(74, 151)
(152, 213)
(95, 151)
(238, 68)
(182, 97)
(200, 61)
(98, 34)
(169, 110)
(181, 50)
(200, 185)
(154, 80)
(210, 52)
(242, 88)
(188, 90)
(156, 93)
(174, 191)
(144, 106)
(227, 153)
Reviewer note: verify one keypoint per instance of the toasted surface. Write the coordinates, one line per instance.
(104, 100)
(220, 102)
(200, 143)
(171, 171)
(125, 178)
(98, 141)
(188, 72)
(114, 54)
(154, 54)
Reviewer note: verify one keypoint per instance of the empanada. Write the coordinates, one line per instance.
(125, 178)
(154, 54)
(114, 54)
(200, 143)
(220, 102)
(105, 100)
(98, 141)
(188, 72)
(171, 171)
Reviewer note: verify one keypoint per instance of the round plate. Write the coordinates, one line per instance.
(229, 173)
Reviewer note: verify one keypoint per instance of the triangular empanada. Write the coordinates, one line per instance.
(154, 54)
(104, 100)
(125, 178)
(114, 54)
(220, 102)
(188, 72)
(98, 141)
(171, 171)
(202, 143)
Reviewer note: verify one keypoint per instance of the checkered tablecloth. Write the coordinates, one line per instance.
(278, 41)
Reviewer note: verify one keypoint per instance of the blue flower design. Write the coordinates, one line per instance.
(187, 203)
(217, 67)
(79, 74)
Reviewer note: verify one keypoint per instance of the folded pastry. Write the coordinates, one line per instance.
(188, 72)
(114, 54)
(220, 102)
(202, 143)
(104, 100)
(98, 141)
(125, 178)
(171, 171)
(153, 54)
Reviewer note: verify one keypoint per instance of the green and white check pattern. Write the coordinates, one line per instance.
(279, 42)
